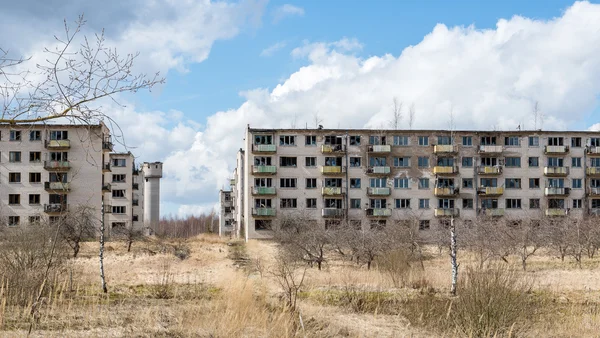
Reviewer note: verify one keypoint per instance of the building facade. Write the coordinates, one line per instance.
(47, 169)
(374, 177)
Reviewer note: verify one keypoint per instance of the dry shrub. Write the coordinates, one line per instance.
(396, 266)
(30, 260)
(492, 301)
(163, 288)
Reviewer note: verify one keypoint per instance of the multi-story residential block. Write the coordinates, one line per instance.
(47, 169)
(373, 177)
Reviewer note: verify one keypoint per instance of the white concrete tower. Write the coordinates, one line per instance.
(152, 172)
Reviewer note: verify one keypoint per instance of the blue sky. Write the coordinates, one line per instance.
(282, 63)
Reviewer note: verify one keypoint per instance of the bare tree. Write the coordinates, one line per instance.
(75, 75)
(303, 238)
(397, 113)
(411, 115)
(290, 277)
(78, 225)
(129, 235)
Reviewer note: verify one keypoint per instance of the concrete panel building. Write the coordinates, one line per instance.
(47, 169)
(374, 177)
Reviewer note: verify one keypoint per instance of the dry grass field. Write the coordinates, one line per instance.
(223, 289)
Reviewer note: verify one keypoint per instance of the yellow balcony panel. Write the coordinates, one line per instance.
(556, 171)
(556, 212)
(332, 212)
(332, 148)
(489, 170)
(380, 148)
(332, 170)
(494, 212)
(445, 170)
(58, 144)
(491, 191)
(593, 171)
(439, 212)
(444, 148)
(556, 149)
(448, 191)
(379, 191)
(331, 191)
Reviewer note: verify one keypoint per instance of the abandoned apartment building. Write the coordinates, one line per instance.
(46, 170)
(372, 177)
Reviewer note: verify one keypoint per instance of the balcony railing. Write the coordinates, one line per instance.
(593, 151)
(378, 170)
(492, 212)
(264, 148)
(135, 186)
(332, 170)
(443, 149)
(491, 149)
(57, 165)
(594, 192)
(264, 212)
(556, 212)
(556, 191)
(556, 171)
(106, 187)
(332, 148)
(445, 170)
(439, 212)
(489, 170)
(332, 212)
(379, 148)
(490, 191)
(331, 191)
(593, 171)
(105, 167)
(264, 169)
(56, 208)
(135, 203)
(594, 212)
(556, 149)
(232, 182)
(57, 144)
(56, 186)
(263, 190)
(446, 191)
(379, 191)
(379, 212)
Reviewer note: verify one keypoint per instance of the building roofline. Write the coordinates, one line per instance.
(51, 125)
(420, 131)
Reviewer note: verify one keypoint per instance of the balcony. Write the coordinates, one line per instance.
(332, 212)
(263, 191)
(379, 212)
(556, 171)
(56, 186)
(232, 182)
(106, 167)
(57, 165)
(107, 146)
(593, 151)
(489, 170)
(332, 170)
(135, 202)
(444, 149)
(449, 212)
(264, 212)
(378, 170)
(55, 208)
(331, 191)
(57, 144)
(556, 212)
(106, 187)
(445, 170)
(492, 149)
(379, 148)
(594, 212)
(556, 150)
(593, 171)
(594, 192)
(264, 148)
(557, 191)
(264, 169)
(378, 191)
(490, 191)
(492, 212)
(332, 148)
(448, 191)
(135, 186)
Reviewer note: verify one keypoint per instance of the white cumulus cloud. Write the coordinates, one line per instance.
(285, 11)
(272, 49)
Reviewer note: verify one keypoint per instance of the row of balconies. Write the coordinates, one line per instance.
(66, 144)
